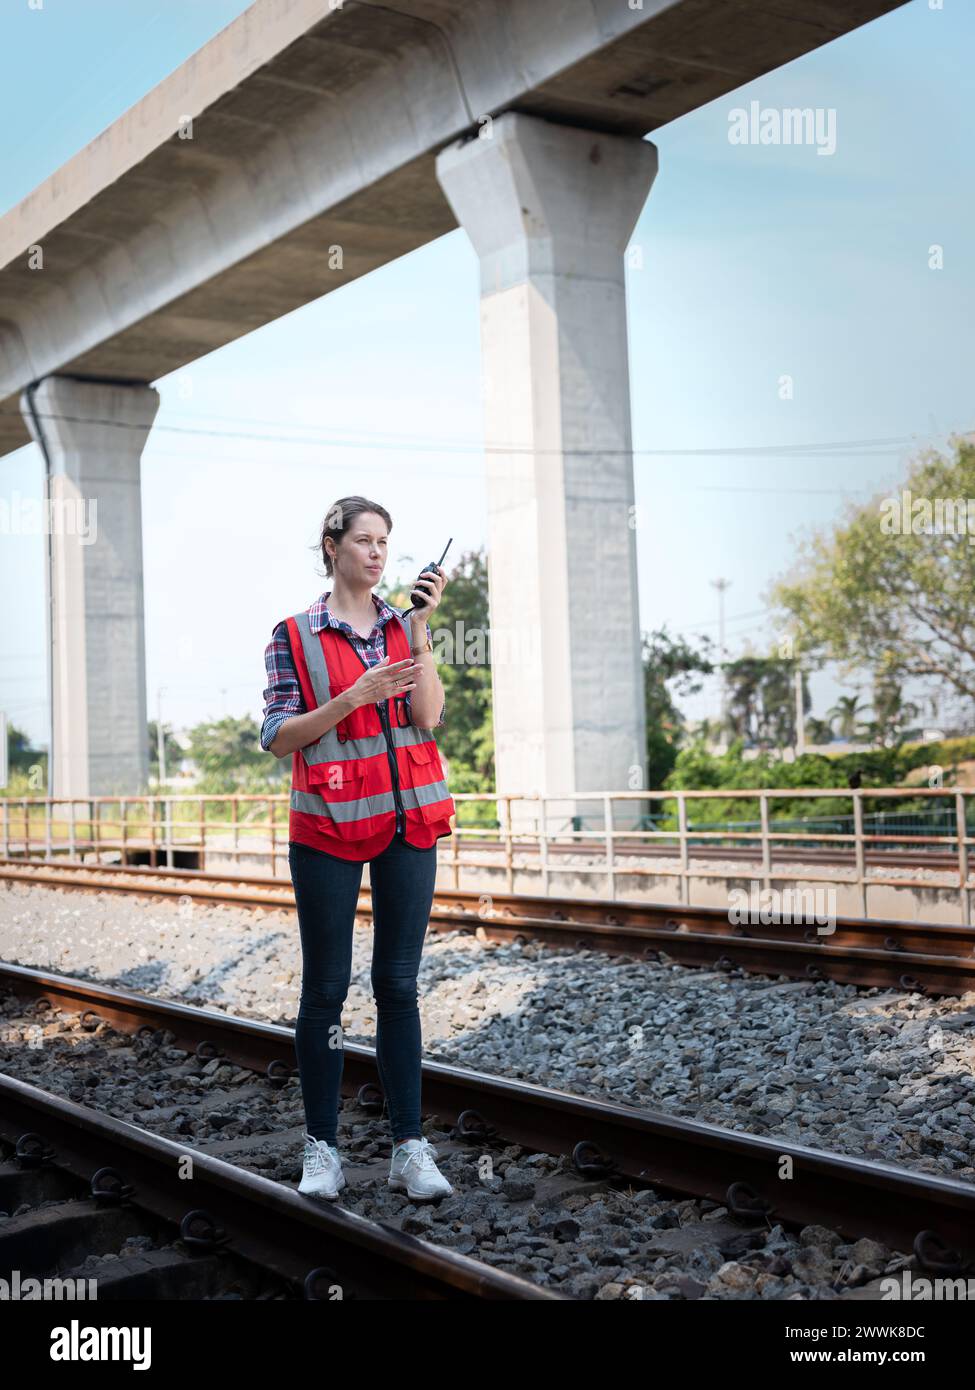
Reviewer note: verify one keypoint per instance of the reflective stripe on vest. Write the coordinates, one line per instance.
(413, 798)
(320, 766)
(330, 748)
(315, 805)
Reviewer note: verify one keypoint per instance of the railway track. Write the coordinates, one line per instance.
(927, 958)
(83, 1185)
(736, 1177)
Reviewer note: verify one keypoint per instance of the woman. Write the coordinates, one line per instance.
(352, 695)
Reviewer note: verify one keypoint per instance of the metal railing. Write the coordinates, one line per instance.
(151, 829)
(522, 830)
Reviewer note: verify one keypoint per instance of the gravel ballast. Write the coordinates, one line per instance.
(871, 1073)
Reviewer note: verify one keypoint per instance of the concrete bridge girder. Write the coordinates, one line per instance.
(209, 208)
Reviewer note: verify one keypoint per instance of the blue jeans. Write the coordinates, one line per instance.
(326, 888)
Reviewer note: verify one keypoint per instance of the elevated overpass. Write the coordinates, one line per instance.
(302, 147)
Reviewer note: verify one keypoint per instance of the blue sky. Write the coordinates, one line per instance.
(757, 262)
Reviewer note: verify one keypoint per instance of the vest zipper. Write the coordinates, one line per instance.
(381, 706)
(391, 754)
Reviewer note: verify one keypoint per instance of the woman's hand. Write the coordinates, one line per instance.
(431, 586)
(384, 681)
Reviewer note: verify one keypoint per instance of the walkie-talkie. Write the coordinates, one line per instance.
(418, 594)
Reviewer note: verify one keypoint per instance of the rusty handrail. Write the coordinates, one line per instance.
(162, 824)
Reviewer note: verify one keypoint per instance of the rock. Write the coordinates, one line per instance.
(517, 1186)
(870, 1252)
(733, 1276)
(821, 1236)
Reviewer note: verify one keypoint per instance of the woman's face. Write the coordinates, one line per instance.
(360, 558)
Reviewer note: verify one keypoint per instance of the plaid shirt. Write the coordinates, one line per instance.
(283, 696)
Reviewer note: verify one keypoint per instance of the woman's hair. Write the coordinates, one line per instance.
(339, 519)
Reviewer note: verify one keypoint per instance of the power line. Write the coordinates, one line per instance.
(791, 491)
(153, 455)
(825, 448)
(730, 618)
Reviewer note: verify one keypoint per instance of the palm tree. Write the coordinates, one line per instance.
(744, 678)
(892, 713)
(778, 704)
(819, 731)
(846, 715)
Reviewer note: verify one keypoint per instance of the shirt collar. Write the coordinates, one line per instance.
(319, 615)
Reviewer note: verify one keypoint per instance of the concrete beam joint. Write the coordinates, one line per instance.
(539, 198)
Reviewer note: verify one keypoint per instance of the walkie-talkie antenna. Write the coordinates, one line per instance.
(413, 606)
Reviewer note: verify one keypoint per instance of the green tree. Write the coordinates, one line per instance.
(819, 731)
(890, 588)
(743, 679)
(778, 704)
(173, 750)
(846, 715)
(670, 666)
(228, 748)
(892, 714)
(762, 701)
(21, 753)
(26, 765)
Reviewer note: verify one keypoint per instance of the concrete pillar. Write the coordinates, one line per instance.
(550, 209)
(92, 435)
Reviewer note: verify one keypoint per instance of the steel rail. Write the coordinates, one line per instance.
(926, 957)
(607, 1141)
(267, 1223)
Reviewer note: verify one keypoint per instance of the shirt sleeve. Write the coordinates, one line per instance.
(408, 698)
(283, 696)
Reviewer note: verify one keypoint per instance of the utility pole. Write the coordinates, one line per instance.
(167, 825)
(721, 585)
(160, 737)
(800, 714)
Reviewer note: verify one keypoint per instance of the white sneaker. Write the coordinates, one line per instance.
(413, 1171)
(322, 1175)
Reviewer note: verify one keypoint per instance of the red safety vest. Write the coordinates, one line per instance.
(373, 769)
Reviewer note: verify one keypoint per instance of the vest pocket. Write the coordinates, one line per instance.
(423, 756)
(363, 722)
(343, 803)
(425, 762)
(333, 779)
(344, 808)
(399, 716)
(436, 811)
